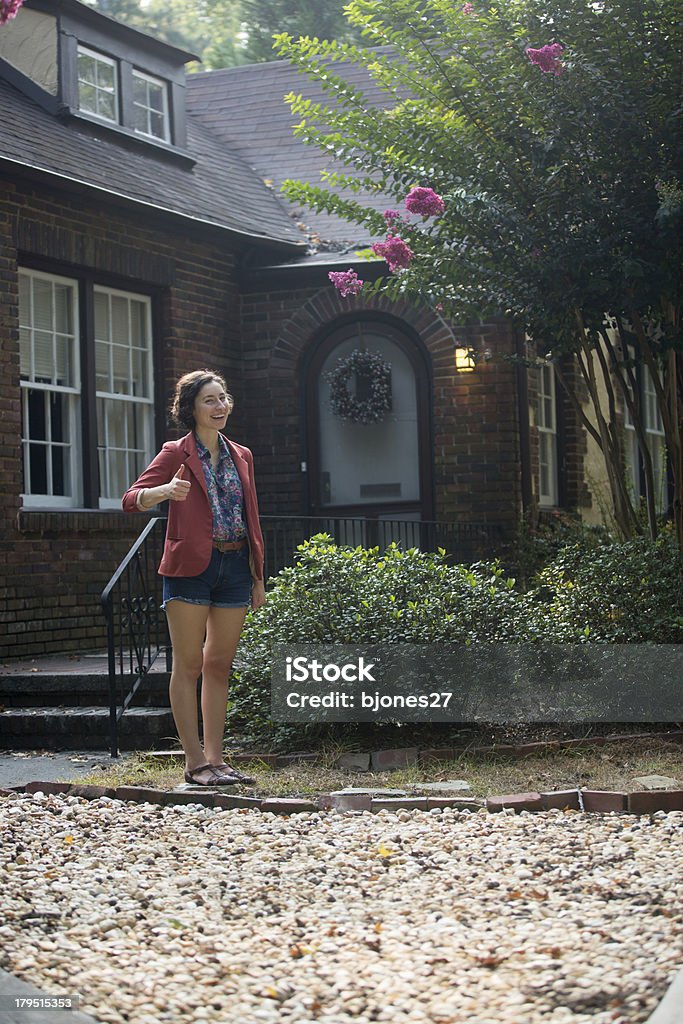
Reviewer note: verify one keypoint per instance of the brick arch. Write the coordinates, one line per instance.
(327, 306)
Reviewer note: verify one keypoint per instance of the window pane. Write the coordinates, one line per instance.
(49, 357)
(140, 119)
(97, 84)
(116, 425)
(101, 316)
(87, 98)
(64, 321)
(37, 422)
(140, 388)
(139, 90)
(138, 323)
(25, 352)
(119, 320)
(42, 304)
(60, 471)
(87, 69)
(105, 76)
(124, 426)
(59, 423)
(42, 356)
(64, 372)
(548, 419)
(102, 366)
(37, 462)
(155, 97)
(118, 473)
(156, 125)
(106, 105)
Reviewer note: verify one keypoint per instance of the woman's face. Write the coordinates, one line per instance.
(211, 407)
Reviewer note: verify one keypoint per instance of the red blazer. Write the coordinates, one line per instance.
(189, 534)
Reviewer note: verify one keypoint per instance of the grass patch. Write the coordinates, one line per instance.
(610, 767)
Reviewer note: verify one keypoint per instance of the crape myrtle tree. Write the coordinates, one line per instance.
(9, 9)
(533, 149)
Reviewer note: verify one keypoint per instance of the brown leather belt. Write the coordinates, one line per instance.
(230, 545)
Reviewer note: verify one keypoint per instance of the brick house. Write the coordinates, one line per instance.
(141, 235)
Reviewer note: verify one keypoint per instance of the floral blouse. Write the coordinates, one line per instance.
(225, 493)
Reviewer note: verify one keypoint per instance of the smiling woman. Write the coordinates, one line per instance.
(212, 563)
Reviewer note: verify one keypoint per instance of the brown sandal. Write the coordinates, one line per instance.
(219, 778)
(234, 774)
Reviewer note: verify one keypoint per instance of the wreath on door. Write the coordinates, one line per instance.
(372, 398)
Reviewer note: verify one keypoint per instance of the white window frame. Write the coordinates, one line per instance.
(102, 59)
(655, 439)
(547, 436)
(145, 77)
(146, 402)
(73, 392)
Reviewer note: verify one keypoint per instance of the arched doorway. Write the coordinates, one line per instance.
(379, 471)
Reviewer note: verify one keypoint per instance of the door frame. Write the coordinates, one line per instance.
(409, 342)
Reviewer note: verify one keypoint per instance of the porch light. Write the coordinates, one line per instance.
(464, 359)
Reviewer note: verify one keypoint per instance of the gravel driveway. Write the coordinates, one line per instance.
(160, 914)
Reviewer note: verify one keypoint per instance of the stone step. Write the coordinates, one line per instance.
(83, 728)
(78, 689)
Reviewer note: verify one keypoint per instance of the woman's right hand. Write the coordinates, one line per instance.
(178, 488)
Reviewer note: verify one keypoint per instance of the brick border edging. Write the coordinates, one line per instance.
(385, 760)
(581, 800)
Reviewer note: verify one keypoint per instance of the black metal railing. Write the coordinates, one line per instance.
(463, 542)
(137, 633)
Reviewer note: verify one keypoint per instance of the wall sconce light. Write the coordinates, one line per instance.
(465, 360)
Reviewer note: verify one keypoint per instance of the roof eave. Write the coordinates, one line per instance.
(32, 172)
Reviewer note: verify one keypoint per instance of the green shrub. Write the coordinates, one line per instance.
(591, 592)
(536, 546)
(357, 595)
(627, 592)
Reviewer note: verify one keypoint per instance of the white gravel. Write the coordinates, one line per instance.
(186, 914)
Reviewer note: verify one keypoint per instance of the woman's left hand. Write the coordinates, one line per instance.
(258, 594)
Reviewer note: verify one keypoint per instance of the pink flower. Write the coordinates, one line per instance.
(346, 282)
(392, 215)
(395, 251)
(547, 58)
(9, 9)
(425, 201)
(468, 9)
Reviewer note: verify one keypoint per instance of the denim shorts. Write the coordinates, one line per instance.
(225, 583)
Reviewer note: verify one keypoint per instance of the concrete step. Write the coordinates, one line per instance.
(77, 689)
(84, 728)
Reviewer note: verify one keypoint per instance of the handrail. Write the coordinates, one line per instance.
(136, 630)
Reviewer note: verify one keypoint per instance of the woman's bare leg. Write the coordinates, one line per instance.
(223, 631)
(187, 628)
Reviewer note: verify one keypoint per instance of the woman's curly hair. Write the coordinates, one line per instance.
(186, 391)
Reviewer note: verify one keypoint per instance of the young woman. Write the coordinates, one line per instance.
(212, 565)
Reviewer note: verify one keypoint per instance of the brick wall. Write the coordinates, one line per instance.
(54, 565)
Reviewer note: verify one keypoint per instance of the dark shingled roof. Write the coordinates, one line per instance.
(219, 189)
(245, 108)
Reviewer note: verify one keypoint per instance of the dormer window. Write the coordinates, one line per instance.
(126, 85)
(98, 92)
(117, 92)
(150, 106)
